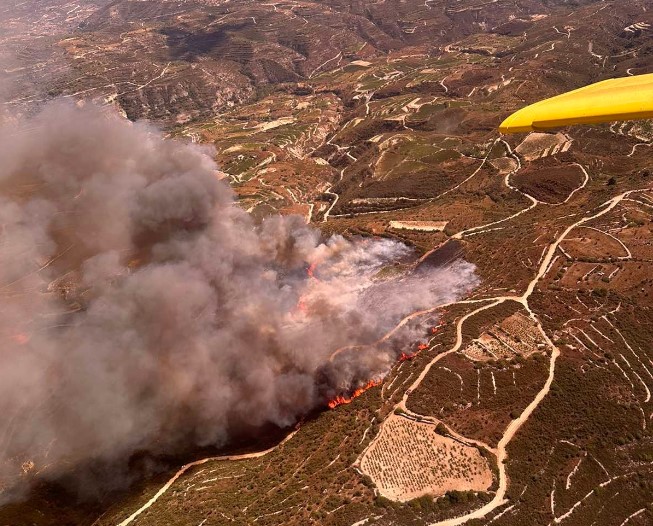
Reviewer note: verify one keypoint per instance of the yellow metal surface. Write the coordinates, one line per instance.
(621, 99)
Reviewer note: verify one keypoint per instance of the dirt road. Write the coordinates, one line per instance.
(186, 467)
(515, 425)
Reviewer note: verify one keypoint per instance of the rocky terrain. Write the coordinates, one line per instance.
(379, 119)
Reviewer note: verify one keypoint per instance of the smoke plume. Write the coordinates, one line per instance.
(144, 311)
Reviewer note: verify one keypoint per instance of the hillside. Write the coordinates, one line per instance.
(380, 119)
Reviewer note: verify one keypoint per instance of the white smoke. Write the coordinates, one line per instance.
(144, 311)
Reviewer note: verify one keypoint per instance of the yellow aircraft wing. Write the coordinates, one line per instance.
(621, 99)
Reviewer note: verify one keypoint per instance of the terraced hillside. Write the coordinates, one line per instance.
(531, 403)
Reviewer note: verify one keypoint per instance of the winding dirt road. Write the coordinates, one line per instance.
(186, 467)
(501, 450)
(514, 426)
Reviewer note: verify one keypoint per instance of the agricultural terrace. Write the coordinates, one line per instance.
(409, 460)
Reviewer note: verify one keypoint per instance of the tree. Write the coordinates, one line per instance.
(441, 429)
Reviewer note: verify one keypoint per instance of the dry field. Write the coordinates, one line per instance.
(548, 181)
(514, 336)
(409, 460)
(420, 226)
(594, 244)
(538, 145)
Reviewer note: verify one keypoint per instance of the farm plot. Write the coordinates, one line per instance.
(409, 459)
(517, 335)
(538, 145)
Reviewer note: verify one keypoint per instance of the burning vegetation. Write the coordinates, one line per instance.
(144, 312)
(340, 400)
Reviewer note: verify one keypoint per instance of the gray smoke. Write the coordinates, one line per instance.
(143, 311)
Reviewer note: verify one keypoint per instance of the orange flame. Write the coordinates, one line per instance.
(436, 328)
(301, 306)
(301, 303)
(340, 400)
(409, 356)
(311, 270)
(20, 338)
